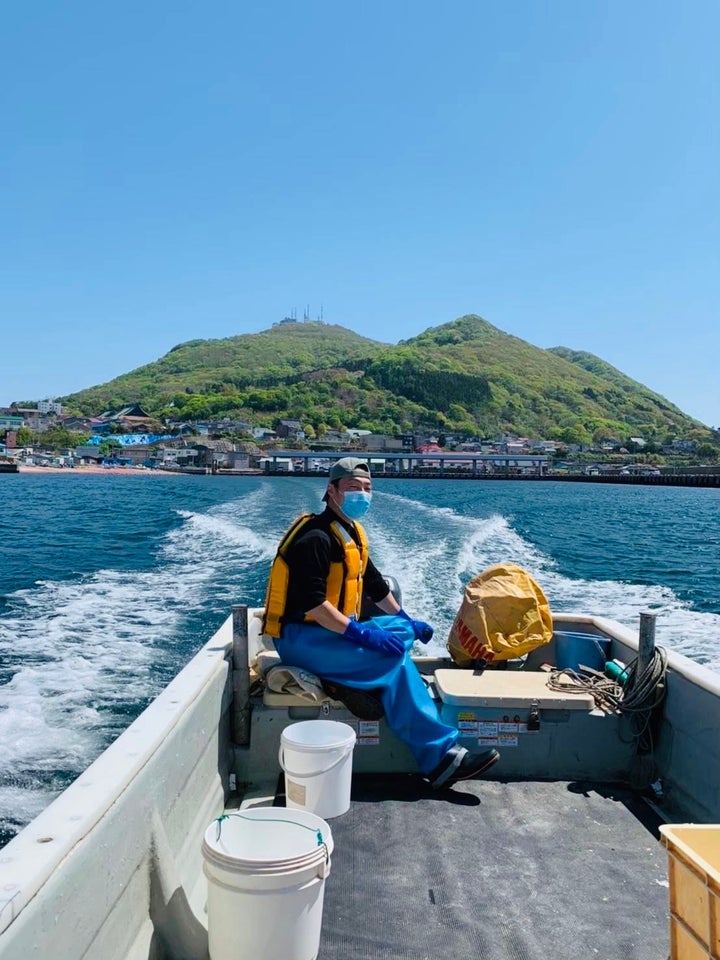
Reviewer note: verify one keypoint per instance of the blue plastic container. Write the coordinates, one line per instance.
(573, 650)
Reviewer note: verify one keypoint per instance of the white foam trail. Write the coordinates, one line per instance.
(436, 550)
(82, 652)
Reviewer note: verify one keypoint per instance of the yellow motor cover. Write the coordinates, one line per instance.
(504, 614)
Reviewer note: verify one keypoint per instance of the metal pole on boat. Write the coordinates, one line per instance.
(646, 646)
(642, 769)
(241, 676)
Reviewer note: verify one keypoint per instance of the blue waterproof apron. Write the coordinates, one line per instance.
(409, 709)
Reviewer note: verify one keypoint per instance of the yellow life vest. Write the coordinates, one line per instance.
(344, 588)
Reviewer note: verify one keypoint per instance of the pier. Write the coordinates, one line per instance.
(411, 465)
(465, 466)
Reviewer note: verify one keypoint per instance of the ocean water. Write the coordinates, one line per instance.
(109, 584)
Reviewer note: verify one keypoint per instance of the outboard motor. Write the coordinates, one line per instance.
(370, 609)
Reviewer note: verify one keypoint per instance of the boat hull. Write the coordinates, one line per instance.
(114, 863)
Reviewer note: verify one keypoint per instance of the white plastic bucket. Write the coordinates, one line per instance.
(266, 870)
(316, 756)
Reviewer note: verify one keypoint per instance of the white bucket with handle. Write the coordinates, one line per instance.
(316, 756)
(266, 870)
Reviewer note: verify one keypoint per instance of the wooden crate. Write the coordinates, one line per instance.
(694, 875)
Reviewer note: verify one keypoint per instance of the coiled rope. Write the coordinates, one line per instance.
(607, 693)
(636, 700)
(643, 692)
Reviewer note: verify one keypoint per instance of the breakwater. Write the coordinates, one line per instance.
(663, 480)
(478, 466)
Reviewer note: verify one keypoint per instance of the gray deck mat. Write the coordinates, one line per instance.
(495, 870)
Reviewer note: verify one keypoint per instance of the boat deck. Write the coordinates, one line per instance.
(495, 869)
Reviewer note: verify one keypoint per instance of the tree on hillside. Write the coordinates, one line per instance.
(109, 448)
(706, 451)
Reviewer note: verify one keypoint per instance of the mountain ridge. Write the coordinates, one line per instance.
(465, 376)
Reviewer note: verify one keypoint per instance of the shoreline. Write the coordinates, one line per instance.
(665, 480)
(90, 471)
(129, 471)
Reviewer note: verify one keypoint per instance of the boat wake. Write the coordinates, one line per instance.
(81, 658)
(435, 551)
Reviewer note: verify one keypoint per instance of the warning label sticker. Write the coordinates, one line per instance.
(487, 728)
(508, 739)
(468, 728)
(369, 728)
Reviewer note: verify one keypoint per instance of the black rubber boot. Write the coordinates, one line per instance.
(461, 764)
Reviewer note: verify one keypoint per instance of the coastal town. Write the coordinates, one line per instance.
(44, 437)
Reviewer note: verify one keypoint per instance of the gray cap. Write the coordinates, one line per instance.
(349, 467)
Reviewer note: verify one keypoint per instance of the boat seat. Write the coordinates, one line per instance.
(283, 701)
(266, 661)
(508, 689)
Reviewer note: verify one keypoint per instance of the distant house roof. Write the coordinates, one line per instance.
(220, 446)
(89, 452)
(80, 421)
(133, 410)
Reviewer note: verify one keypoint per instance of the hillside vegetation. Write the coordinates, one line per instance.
(465, 377)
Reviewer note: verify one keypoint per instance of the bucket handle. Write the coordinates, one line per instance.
(315, 773)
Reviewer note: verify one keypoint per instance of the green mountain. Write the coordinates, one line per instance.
(465, 376)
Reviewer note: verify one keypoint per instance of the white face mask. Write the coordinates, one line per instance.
(356, 504)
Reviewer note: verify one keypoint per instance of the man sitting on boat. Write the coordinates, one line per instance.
(317, 582)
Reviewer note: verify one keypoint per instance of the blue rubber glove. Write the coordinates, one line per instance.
(372, 638)
(423, 631)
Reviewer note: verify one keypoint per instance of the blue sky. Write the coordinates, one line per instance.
(172, 171)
